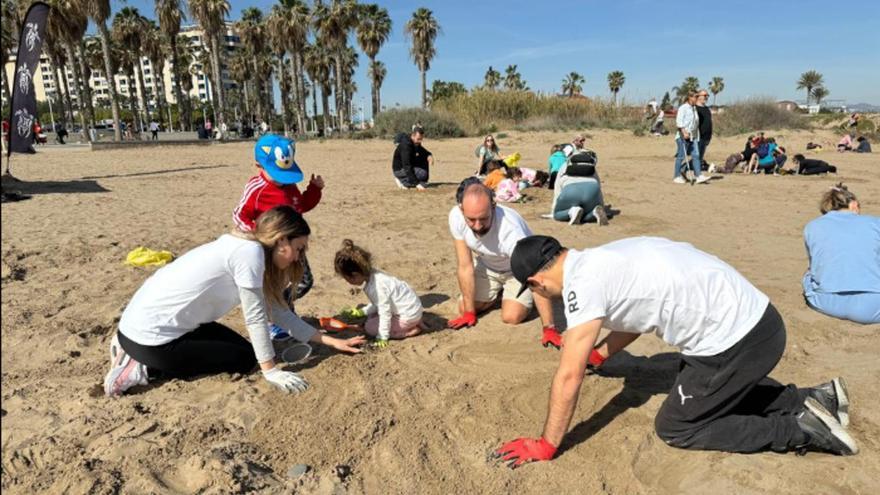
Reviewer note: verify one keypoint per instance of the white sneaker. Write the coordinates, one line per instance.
(124, 372)
(601, 216)
(712, 168)
(548, 216)
(679, 180)
(703, 179)
(399, 184)
(575, 214)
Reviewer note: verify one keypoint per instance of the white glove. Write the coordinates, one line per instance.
(287, 381)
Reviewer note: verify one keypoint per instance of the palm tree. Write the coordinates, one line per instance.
(155, 48)
(317, 64)
(690, 85)
(349, 65)
(58, 57)
(571, 85)
(183, 79)
(240, 69)
(808, 81)
(423, 29)
(333, 22)
(210, 15)
(513, 79)
(819, 94)
(99, 11)
(377, 74)
(253, 36)
(289, 23)
(615, 82)
(9, 23)
(68, 22)
(492, 79)
(170, 16)
(716, 86)
(129, 27)
(373, 29)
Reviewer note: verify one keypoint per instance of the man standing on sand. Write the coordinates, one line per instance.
(687, 139)
(480, 226)
(411, 162)
(704, 113)
(729, 334)
(154, 130)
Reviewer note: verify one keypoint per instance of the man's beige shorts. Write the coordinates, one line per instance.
(488, 283)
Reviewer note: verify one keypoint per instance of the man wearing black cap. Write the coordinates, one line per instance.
(729, 334)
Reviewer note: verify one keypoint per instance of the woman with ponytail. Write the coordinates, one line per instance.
(169, 328)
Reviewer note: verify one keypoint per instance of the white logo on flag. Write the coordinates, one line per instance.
(24, 79)
(32, 36)
(25, 122)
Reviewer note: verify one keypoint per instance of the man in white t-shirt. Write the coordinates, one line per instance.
(481, 227)
(729, 334)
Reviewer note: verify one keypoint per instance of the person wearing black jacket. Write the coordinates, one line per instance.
(809, 166)
(705, 115)
(411, 161)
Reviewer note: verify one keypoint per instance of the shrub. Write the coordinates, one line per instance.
(436, 124)
(756, 114)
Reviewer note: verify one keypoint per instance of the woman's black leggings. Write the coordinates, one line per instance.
(814, 167)
(209, 349)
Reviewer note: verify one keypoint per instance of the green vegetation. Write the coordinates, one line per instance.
(757, 114)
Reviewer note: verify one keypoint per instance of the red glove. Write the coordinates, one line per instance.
(595, 360)
(523, 450)
(551, 337)
(468, 319)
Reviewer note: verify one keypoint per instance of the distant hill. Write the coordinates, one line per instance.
(863, 107)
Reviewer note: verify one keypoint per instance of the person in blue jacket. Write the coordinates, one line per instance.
(843, 246)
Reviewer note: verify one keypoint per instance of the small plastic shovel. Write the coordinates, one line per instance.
(331, 324)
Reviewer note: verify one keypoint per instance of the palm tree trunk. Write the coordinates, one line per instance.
(258, 83)
(142, 89)
(178, 93)
(220, 108)
(159, 81)
(325, 106)
(71, 55)
(315, 103)
(374, 102)
(111, 81)
(301, 82)
(295, 97)
(87, 88)
(61, 78)
(284, 87)
(340, 94)
(424, 88)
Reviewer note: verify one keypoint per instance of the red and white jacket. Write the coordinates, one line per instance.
(261, 195)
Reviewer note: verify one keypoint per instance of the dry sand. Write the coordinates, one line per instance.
(424, 415)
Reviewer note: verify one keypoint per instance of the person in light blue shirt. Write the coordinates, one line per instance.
(843, 247)
(555, 162)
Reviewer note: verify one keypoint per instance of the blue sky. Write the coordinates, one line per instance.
(759, 47)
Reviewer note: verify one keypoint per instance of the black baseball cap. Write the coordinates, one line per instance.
(530, 255)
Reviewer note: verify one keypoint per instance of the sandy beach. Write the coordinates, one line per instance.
(424, 415)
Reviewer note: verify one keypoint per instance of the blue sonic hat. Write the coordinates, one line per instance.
(275, 154)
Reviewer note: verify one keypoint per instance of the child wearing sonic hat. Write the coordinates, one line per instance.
(275, 185)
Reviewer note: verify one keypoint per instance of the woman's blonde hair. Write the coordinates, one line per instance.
(352, 259)
(836, 198)
(279, 223)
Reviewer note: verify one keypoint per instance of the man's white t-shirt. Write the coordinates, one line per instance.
(154, 126)
(494, 248)
(199, 287)
(690, 299)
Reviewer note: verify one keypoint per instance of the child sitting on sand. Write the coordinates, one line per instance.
(529, 177)
(395, 311)
(275, 185)
(497, 172)
(555, 162)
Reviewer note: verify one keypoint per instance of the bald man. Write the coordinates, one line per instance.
(484, 236)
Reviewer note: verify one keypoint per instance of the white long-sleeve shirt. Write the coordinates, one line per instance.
(688, 119)
(390, 297)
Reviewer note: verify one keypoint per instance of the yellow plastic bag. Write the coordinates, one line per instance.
(512, 160)
(142, 256)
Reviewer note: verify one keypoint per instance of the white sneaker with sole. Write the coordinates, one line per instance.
(703, 179)
(124, 372)
(679, 180)
(601, 216)
(575, 214)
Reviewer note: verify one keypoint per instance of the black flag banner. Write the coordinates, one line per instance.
(23, 110)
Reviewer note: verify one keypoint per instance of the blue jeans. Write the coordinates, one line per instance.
(683, 148)
(587, 195)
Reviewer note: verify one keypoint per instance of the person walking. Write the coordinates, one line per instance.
(154, 130)
(730, 335)
(705, 116)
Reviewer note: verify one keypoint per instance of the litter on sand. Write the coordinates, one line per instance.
(142, 256)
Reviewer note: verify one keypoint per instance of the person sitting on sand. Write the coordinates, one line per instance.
(395, 311)
(578, 198)
(864, 146)
(810, 166)
(529, 177)
(487, 152)
(843, 278)
(730, 335)
(169, 328)
(484, 235)
(275, 185)
(411, 162)
(496, 171)
(846, 143)
(508, 190)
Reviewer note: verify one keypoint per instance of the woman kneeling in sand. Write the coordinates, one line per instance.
(169, 328)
